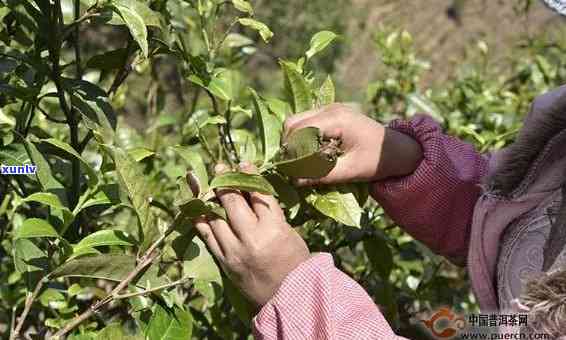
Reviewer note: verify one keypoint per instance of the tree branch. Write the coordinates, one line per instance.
(84, 143)
(49, 118)
(29, 301)
(77, 8)
(148, 291)
(222, 130)
(147, 259)
(228, 131)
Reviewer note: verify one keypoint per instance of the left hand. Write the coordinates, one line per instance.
(257, 247)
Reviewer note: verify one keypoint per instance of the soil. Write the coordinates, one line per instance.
(443, 31)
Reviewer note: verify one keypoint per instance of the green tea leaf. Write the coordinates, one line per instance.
(418, 103)
(52, 298)
(269, 128)
(82, 252)
(245, 143)
(196, 164)
(44, 174)
(139, 154)
(279, 108)
(244, 182)
(185, 193)
(28, 257)
(214, 120)
(262, 28)
(92, 175)
(133, 182)
(243, 6)
(136, 25)
(14, 154)
(319, 42)
(198, 263)
(105, 194)
(340, 206)
(114, 331)
(141, 8)
(288, 196)
(112, 267)
(104, 238)
(35, 227)
(380, 256)
(243, 307)
(108, 61)
(47, 199)
(169, 324)
(52, 201)
(93, 104)
(327, 93)
(304, 155)
(298, 90)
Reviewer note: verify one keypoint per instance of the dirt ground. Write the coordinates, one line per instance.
(443, 30)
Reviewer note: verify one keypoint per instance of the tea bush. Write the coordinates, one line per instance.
(98, 243)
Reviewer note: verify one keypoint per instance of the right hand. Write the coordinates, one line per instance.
(370, 151)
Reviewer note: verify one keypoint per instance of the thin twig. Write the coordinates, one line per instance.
(228, 132)
(147, 259)
(148, 291)
(49, 118)
(30, 120)
(13, 320)
(76, 23)
(77, 8)
(29, 301)
(223, 136)
(84, 143)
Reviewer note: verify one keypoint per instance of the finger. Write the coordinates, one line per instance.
(239, 212)
(291, 121)
(331, 127)
(208, 237)
(224, 235)
(264, 206)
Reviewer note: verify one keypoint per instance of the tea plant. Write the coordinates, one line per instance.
(107, 206)
(99, 244)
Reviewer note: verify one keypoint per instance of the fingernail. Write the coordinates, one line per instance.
(220, 168)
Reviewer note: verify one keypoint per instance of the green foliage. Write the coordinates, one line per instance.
(108, 205)
(112, 205)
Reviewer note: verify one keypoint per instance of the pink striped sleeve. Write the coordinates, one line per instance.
(435, 204)
(318, 301)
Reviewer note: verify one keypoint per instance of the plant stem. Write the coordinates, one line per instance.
(147, 259)
(148, 291)
(29, 301)
(222, 130)
(228, 131)
(49, 118)
(77, 8)
(31, 110)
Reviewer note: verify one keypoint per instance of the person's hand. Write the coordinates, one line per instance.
(371, 151)
(257, 247)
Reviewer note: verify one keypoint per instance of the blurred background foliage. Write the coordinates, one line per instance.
(473, 65)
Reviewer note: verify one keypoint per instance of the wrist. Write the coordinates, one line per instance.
(400, 156)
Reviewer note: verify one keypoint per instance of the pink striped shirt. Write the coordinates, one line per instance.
(434, 205)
